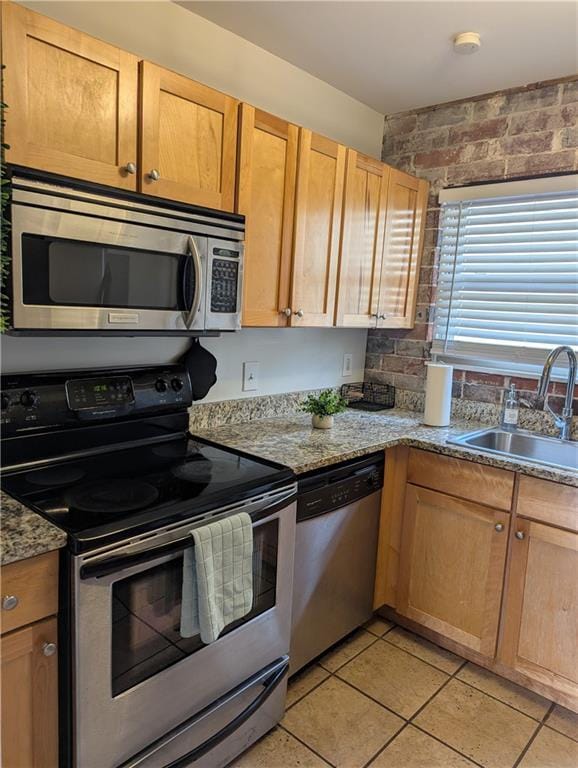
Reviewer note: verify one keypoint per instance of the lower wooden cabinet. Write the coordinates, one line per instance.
(541, 606)
(30, 696)
(494, 581)
(453, 554)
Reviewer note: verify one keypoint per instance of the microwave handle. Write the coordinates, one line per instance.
(198, 267)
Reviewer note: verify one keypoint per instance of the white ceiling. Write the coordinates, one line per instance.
(397, 55)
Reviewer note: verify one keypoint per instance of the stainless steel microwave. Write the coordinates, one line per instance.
(93, 262)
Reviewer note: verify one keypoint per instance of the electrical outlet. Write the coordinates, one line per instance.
(347, 369)
(250, 377)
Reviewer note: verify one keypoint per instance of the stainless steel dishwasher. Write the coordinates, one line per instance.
(335, 555)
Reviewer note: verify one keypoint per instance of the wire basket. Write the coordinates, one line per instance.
(369, 397)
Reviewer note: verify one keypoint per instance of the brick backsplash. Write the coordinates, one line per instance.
(528, 131)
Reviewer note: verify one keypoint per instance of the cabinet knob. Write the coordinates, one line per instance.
(9, 602)
(299, 313)
(130, 168)
(49, 649)
(520, 535)
(154, 175)
(499, 527)
(287, 311)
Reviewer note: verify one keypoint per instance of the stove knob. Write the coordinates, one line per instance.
(29, 399)
(161, 385)
(177, 384)
(5, 402)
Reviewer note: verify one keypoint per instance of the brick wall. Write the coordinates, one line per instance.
(517, 133)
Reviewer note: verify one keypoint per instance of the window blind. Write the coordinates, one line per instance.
(508, 280)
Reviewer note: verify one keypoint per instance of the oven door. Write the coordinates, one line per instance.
(72, 271)
(135, 678)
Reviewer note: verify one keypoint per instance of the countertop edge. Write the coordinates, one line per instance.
(24, 533)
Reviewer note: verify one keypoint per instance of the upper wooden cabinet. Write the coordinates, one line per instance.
(188, 140)
(452, 563)
(320, 176)
(541, 607)
(361, 257)
(404, 230)
(72, 100)
(266, 196)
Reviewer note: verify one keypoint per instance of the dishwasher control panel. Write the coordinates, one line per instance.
(335, 488)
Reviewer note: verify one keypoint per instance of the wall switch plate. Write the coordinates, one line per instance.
(347, 364)
(250, 377)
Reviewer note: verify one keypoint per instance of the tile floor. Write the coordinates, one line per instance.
(386, 698)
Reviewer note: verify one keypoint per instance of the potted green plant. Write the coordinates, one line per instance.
(323, 408)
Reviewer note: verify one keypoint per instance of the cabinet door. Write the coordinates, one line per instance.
(30, 697)
(188, 140)
(72, 100)
(362, 241)
(452, 567)
(266, 196)
(320, 176)
(540, 635)
(404, 230)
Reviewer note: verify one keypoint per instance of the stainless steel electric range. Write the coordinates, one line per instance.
(107, 456)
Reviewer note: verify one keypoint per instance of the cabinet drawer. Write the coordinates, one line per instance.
(549, 502)
(465, 479)
(34, 584)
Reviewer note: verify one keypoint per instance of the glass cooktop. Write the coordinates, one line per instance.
(103, 497)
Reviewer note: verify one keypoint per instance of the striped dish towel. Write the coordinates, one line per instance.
(217, 577)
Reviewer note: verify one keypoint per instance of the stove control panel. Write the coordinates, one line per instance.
(56, 400)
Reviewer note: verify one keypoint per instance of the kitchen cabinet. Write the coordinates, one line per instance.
(30, 697)
(29, 663)
(404, 232)
(72, 100)
(541, 608)
(188, 135)
(492, 581)
(364, 217)
(452, 562)
(318, 202)
(266, 196)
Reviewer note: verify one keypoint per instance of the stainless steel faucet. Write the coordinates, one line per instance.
(563, 422)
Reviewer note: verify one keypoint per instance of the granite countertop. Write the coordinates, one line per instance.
(24, 533)
(291, 441)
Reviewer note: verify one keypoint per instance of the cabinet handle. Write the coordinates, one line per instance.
(130, 168)
(154, 175)
(49, 649)
(520, 535)
(9, 602)
(375, 314)
(287, 312)
(383, 317)
(499, 527)
(299, 313)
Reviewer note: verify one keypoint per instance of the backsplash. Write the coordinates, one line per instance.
(205, 416)
(519, 133)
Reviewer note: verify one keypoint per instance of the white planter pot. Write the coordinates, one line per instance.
(322, 422)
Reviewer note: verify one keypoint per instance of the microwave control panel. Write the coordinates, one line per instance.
(225, 280)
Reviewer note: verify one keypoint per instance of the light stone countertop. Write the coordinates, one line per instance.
(24, 533)
(290, 440)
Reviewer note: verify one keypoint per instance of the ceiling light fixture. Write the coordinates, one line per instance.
(467, 42)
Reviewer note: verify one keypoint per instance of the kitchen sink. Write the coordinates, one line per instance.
(523, 445)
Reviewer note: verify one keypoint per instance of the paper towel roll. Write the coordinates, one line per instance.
(438, 395)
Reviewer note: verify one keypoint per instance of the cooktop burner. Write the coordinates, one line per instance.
(113, 498)
(102, 497)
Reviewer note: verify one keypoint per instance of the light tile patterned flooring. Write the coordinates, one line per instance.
(386, 698)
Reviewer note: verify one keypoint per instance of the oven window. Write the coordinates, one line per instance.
(74, 273)
(146, 613)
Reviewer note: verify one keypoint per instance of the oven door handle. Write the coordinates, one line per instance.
(118, 563)
(195, 257)
(270, 683)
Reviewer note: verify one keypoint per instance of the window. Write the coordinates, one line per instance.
(508, 274)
